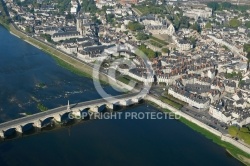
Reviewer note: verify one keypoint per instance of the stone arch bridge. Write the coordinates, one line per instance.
(75, 109)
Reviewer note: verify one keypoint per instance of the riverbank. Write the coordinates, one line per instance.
(61, 58)
(6, 26)
(71, 64)
(68, 62)
(234, 151)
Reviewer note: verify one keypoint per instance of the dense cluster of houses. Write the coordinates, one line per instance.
(211, 75)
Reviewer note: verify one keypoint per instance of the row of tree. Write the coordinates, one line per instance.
(149, 53)
(142, 36)
(146, 9)
(227, 5)
(135, 26)
(89, 6)
(3, 16)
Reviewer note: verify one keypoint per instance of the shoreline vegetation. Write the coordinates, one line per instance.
(41, 85)
(6, 26)
(41, 107)
(242, 133)
(84, 70)
(231, 149)
(4, 18)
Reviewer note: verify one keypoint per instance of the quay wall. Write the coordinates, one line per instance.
(197, 122)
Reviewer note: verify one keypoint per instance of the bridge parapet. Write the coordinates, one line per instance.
(57, 113)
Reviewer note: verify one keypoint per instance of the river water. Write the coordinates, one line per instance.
(24, 68)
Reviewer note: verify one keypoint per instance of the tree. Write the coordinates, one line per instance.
(151, 9)
(184, 22)
(193, 41)
(213, 5)
(69, 16)
(247, 24)
(96, 20)
(134, 26)
(208, 25)
(234, 23)
(165, 50)
(246, 48)
(110, 18)
(28, 29)
(142, 36)
(248, 56)
(226, 5)
(150, 53)
(63, 5)
(46, 37)
(196, 27)
(89, 6)
(176, 24)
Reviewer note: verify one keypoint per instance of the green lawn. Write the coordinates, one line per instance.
(151, 9)
(4, 19)
(234, 151)
(159, 40)
(126, 79)
(171, 102)
(241, 133)
(154, 43)
(178, 102)
(71, 67)
(4, 24)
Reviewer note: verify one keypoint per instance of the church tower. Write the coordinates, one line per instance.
(171, 29)
(79, 25)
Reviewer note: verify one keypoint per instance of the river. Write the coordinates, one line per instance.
(29, 76)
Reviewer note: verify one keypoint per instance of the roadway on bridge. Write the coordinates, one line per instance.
(35, 117)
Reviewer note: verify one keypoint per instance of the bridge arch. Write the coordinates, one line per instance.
(64, 117)
(25, 127)
(46, 121)
(98, 108)
(45, 118)
(8, 132)
(79, 113)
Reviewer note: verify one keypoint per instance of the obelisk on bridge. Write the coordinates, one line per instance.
(68, 107)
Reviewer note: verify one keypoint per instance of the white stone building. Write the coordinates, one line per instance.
(194, 100)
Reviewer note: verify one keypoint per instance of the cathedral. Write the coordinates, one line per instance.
(83, 25)
(160, 29)
(155, 25)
